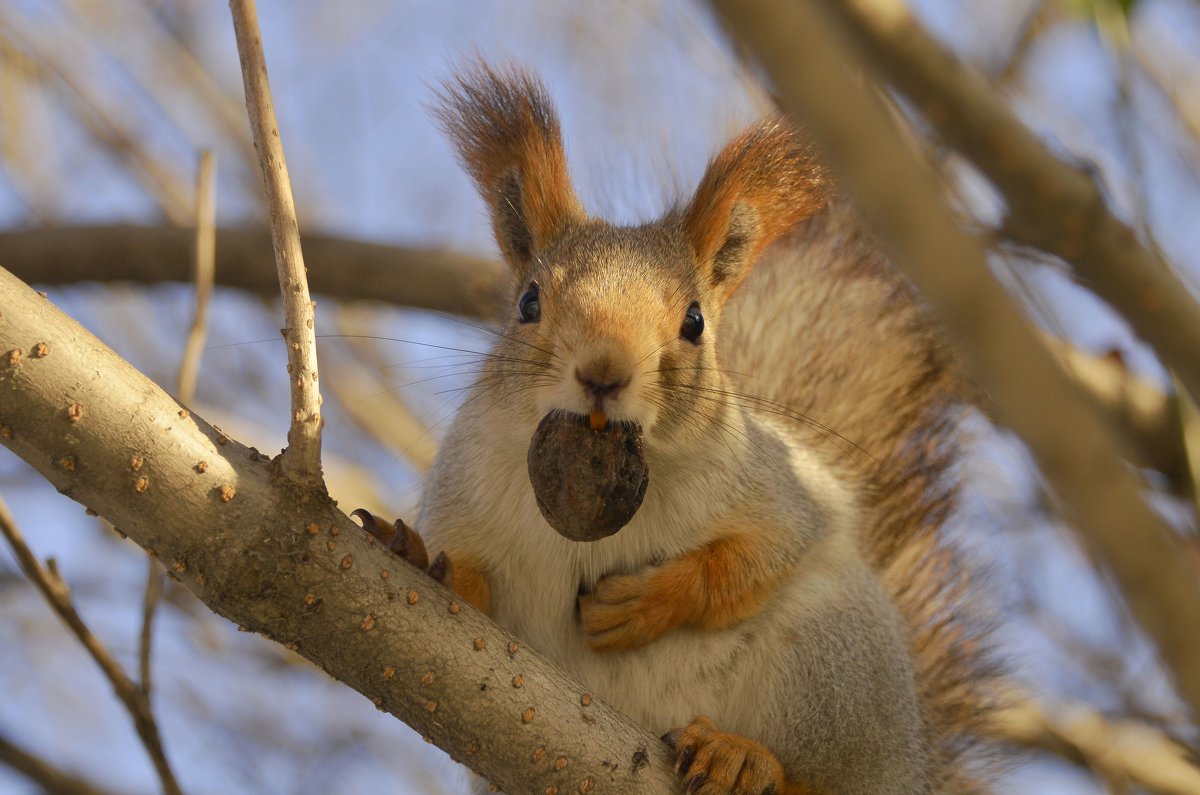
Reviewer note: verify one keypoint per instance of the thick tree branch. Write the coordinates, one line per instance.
(286, 562)
(302, 458)
(804, 52)
(443, 281)
(1052, 205)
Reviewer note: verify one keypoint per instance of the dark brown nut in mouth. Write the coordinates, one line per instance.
(588, 483)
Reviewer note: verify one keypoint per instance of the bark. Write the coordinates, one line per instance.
(287, 563)
(338, 267)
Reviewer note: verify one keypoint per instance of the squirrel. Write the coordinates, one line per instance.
(783, 604)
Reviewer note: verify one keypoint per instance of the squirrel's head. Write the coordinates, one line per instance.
(615, 321)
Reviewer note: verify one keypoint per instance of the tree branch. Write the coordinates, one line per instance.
(1123, 750)
(1142, 413)
(58, 596)
(283, 561)
(804, 52)
(50, 778)
(352, 270)
(1052, 205)
(301, 460)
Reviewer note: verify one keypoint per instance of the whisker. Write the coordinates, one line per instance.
(771, 407)
(722, 426)
(496, 333)
(450, 375)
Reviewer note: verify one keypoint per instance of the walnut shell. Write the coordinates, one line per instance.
(588, 484)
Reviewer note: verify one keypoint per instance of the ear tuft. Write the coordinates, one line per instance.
(507, 134)
(760, 185)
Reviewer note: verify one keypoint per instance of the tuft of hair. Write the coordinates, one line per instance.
(507, 135)
(827, 324)
(758, 187)
(936, 590)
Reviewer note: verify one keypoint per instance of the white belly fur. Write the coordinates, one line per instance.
(535, 576)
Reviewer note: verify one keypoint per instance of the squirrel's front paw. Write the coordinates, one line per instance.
(629, 611)
(712, 762)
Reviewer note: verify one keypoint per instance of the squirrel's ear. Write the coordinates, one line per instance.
(507, 135)
(760, 185)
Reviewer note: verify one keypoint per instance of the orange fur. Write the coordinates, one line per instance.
(718, 585)
(466, 576)
(507, 135)
(769, 169)
(717, 763)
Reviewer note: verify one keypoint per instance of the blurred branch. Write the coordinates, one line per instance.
(352, 270)
(286, 562)
(805, 53)
(1052, 205)
(1185, 104)
(203, 274)
(1138, 409)
(58, 596)
(1188, 415)
(1120, 750)
(1035, 23)
(174, 70)
(26, 174)
(159, 179)
(46, 775)
(301, 460)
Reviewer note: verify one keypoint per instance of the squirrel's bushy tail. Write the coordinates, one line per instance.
(826, 327)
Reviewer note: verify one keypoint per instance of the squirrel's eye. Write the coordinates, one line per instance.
(693, 323)
(530, 305)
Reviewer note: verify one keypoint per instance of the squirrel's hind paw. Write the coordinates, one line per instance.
(712, 762)
(396, 536)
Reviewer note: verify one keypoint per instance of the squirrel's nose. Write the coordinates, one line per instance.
(599, 383)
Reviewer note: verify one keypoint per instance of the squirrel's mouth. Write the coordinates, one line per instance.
(588, 473)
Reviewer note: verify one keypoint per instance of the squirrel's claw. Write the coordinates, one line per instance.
(440, 568)
(712, 762)
(397, 537)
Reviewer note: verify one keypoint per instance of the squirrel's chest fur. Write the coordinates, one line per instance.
(481, 502)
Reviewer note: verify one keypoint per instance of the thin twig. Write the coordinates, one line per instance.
(203, 274)
(301, 461)
(805, 53)
(58, 596)
(46, 775)
(1031, 29)
(150, 600)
